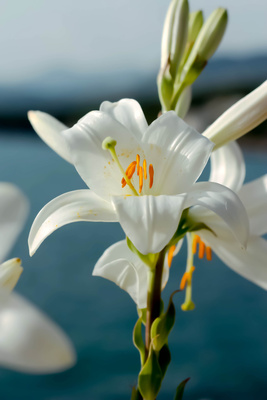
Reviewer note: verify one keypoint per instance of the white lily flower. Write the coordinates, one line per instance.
(168, 157)
(239, 119)
(29, 341)
(121, 266)
(228, 168)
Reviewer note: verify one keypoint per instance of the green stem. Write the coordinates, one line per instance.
(154, 296)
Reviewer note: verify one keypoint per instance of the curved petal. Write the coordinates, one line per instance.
(228, 166)
(119, 265)
(129, 113)
(29, 341)
(249, 263)
(149, 221)
(223, 202)
(49, 129)
(177, 152)
(79, 205)
(254, 198)
(94, 164)
(14, 209)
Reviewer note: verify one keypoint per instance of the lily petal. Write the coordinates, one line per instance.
(254, 198)
(223, 202)
(177, 152)
(79, 205)
(228, 166)
(49, 129)
(119, 265)
(10, 272)
(249, 263)
(29, 341)
(95, 165)
(149, 221)
(129, 113)
(14, 209)
(241, 118)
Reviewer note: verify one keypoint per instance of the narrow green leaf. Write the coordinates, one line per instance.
(180, 390)
(136, 394)
(150, 377)
(162, 326)
(164, 358)
(138, 340)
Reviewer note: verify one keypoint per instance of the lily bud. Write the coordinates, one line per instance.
(174, 36)
(239, 119)
(205, 45)
(10, 272)
(184, 102)
(194, 25)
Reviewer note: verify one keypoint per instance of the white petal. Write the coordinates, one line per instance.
(29, 341)
(10, 272)
(241, 118)
(79, 205)
(13, 213)
(149, 221)
(249, 263)
(49, 129)
(228, 166)
(129, 113)
(95, 165)
(177, 152)
(254, 198)
(223, 202)
(119, 265)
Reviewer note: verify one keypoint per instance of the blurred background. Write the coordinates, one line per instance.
(65, 58)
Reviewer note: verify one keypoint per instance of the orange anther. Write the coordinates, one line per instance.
(130, 170)
(170, 255)
(208, 253)
(201, 249)
(123, 182)
(137, 163)
(196, 240)
(151, 175)
(144, 168)
(184, 280)
(140, 179)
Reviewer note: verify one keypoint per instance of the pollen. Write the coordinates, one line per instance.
(144, 168)
(151, 176)
(137, 163)
(170, 255)
(202, 248)
(140, 179)
(187, 278)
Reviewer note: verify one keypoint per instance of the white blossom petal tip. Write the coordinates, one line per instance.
(29, 341)
(49, 129)
(10, 272)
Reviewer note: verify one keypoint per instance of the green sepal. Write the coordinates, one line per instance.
(149, 259)
(138, 340)
(136, 394)
(162, 326)
(150, 377)
(180, 390)
(164, 358)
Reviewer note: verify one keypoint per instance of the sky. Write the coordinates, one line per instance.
(91, 36)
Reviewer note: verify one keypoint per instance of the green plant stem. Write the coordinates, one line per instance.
(154, 296)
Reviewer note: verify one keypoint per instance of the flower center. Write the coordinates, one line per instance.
(202, 248)
(141, 171)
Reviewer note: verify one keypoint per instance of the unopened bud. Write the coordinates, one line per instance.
(194, 25)
(10, 272)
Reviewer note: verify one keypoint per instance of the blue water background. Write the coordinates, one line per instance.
(222, 345)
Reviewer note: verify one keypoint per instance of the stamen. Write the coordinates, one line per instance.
(131, 169)
(151, 175)
(170, 255)
(196, 240)
(137, 163)
(187, 278)
(144, 168)
(123, 183)
(140, 179)
(208, 253)
(201, 249)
